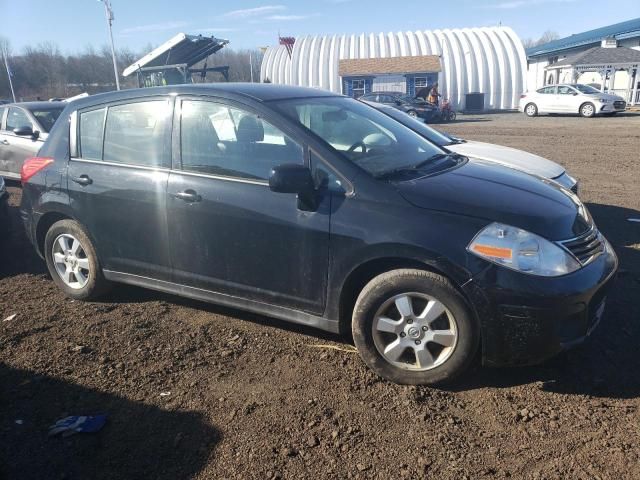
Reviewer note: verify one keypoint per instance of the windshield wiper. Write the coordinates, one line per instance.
(413, 168)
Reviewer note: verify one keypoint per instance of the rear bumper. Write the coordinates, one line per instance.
(526, 320)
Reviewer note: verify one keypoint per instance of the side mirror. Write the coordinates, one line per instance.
(26, 131)
(294, 178)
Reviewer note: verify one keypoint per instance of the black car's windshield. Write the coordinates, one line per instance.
(585, 88)
(47, 117)
(361, 134)
(439, 138)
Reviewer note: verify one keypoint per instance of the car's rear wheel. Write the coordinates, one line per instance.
(531, 110)
(72, 261)
(587, 110)
(413, 327)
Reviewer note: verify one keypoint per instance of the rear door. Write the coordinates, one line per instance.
(14, 149)
(117, 182)
(228, 232)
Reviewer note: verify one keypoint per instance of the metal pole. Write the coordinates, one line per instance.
(109, 13)
(6, 64)
(251, 65)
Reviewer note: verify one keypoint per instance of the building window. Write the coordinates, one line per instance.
(357, 87)
(421, 82)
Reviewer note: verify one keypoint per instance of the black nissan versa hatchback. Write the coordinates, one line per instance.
(317, 209)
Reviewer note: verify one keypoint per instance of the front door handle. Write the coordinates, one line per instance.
(83, 180)
(190, 196)
(4, 142)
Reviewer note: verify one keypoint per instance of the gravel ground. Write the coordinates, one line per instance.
(195, 391)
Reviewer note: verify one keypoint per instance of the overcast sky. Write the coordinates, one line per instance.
(74, 24)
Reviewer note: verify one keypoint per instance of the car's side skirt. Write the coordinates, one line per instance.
(282, 313)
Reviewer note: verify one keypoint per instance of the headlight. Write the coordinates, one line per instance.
(523, 251)
(603, 100)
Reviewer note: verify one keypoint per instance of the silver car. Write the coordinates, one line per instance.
(571, 98)
(23, 129)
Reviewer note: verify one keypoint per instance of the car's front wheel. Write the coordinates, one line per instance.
(531, 110)
(412, 113)
(413, 327)
(72, 261)
(587, 110)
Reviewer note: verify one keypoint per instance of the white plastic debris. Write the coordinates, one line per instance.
(165, 394)
(10, 317)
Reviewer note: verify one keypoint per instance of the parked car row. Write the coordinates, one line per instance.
(320, 210)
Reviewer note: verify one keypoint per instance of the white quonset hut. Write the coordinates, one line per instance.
(486, 60)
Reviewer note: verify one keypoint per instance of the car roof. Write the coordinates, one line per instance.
(262, 92)
(40, 105)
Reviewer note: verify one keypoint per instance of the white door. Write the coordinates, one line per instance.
(390, 83)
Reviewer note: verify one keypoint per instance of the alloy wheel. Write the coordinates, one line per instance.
(587, 110)
(414, 331)
(71, 261)
(531, 110)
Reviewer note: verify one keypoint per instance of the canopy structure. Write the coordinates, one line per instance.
(605, 61)
(491, 61)
(171, 62)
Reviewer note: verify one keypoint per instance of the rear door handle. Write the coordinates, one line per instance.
(83, 180)
(190, 196)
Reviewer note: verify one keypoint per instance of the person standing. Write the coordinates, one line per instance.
(433, 94)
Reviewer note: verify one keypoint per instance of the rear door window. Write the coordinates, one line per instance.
(137, 134)
(223, 140)
(91, 130)
(17, 118)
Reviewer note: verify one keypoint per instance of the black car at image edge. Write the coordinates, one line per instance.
(317, 209)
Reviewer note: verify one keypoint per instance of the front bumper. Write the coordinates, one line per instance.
(526, 319)
(617, 106)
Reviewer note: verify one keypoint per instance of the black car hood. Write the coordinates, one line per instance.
(501, 194)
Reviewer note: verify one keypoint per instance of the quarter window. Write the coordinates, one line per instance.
(221, 140)
(17, 118)
(136, 133)
(91, 129)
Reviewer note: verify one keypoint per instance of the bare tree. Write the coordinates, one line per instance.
(548, 36)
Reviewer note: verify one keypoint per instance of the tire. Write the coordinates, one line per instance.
(67, 239)
(412, 113)
(587, 110)
(452, 116)
(531, 110)
(393, 345)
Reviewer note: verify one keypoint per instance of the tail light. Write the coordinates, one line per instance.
(33, 165)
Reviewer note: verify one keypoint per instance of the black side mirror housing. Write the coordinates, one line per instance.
(26, 131)
(294, 178)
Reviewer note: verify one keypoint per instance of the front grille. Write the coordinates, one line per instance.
(619, 105)
(587, 247)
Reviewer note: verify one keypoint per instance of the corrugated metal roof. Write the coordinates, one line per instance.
(627, 29)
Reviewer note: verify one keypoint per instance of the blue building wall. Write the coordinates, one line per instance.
(347, 82)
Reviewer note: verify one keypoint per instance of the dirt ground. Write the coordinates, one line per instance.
(195, 391)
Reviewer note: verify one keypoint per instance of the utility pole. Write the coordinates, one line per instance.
(9, 73)
(109, 13)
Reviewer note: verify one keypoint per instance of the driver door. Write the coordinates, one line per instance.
(228, 232)
(15, 149)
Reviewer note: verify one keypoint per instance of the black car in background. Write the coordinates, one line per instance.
(317, 209)
(416, 107)
(24, 127)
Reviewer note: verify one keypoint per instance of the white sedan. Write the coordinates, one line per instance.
(510, 157)
(571, 98)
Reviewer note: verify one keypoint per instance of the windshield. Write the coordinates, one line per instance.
(47, 117)
(585, 88)
(439, 138)
(361, 134)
